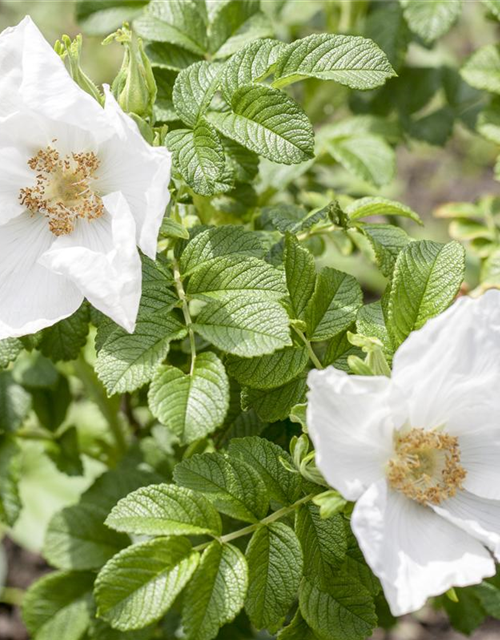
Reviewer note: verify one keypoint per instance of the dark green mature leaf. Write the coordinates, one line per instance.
(275, 562)
(233, 275)
(100, 630)
(10, 473)
(387, 241)
(234, 23)
(482, 69)
(194, 89)
(191, 405)
(102, 17)
(15, 403)
(387, 27)
(126, 361)
(426, 279)
(231, 484)
(342, 608)
(243, 163)
(350, 60)
(10, 348)
(300, 271)
(298, 629)
(339, 349)
(431, 19)
(59, 606)
(179, 22)
(268, 122)
(271, 371)
(367, 207)
(77, 538)
(158, 295)
(265, 456)
(367, 157)
(291, 218)
(115, 484)
(244, 327)
(140, 584)
(272, 405)
(216, 593)
(355, 564)
(371, 322)
(165, 510)
(168, 56)
(466, 614)
(334, 304)
(65, 339)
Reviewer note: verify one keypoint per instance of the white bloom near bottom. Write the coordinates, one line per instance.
(420, 453)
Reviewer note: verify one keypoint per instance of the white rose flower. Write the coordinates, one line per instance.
(80, 190)
(420, 453)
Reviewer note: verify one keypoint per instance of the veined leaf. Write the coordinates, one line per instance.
(275, 563)
(350, 60)
(482, 69)
(488, 125)
(235, 22)
(268, 122)
(102, 17)
(140, 584)
(15, 403)
(339, 349)
(191, 405)
(231, 484)
(10, 348)
(270, 371)
(298, 629)
(371, 322)
(291, 218)
(165, 510)
(158, 295)
(387, 27)
(367, 157)
(65, 339)
(194, 89)
(355, 564)
(168, 56)
(387, 241)
(300, 271)
(431, 19)
(10, 474)
(243, 163)
(272, 405)
(367, 207)
(216, 593)
(244, 327)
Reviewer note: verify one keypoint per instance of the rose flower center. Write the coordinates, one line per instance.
(63, 190)
(426, 467)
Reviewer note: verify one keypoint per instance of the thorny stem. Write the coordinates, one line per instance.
(253, 527)
(185, 310)
(314, 358)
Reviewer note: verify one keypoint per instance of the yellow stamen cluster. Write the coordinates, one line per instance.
(62, 192)
(426, 467)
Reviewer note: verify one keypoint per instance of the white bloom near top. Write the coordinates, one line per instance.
(420, 453)
(80, 190)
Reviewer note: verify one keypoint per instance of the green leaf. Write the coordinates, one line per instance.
(10, 348)
(102, 17)
(270, 371)
(234, 23)
(77, 538)
(466, 614)
(234, 487)
(333, 306)
(350, 60)
(59, 606)
(482, 69)
(126, 361)
(272, 405)
(15, 403)
(367, 157)
(269, 123)
(191, 405)
(493, 6)
(387, 241)
(265, 457)
(250, 64)
(219, 241)
(165, 510)
(10, 474)
(371, 322)
(194, 89)
(387, 27)
(216, 593)
(339, 349)
(324, 542)
(291, 218)
(199, 158)
(243, 164)
(355, 564)
(65, 339)
(275, 561)
(342, 609)
(367, 207)
(179, 22)
(172, 229)
(233, 275)
(244, 327)
(140, 584)
(113, 485)
(431, 19)
(168, 56)
(488, 124)
(298, 629)
(426, 279)
(157, 293)
(300, 271)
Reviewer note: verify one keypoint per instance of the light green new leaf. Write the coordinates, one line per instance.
(77, 538)
(15, 403)
(233, 23)
(105, 16)
(199, 158)
(431, 19)
(191, 405)
(482, 69)
(168, 56)
(270, 371)
(10, 474)
(367, 207)
(268, 122)
(140, 584)
(367, 157)
(333, 306)
(233, 275)
(194, 89)
(300, 271)
(216, 593)
(244, 327)
(387, 241)
(275, 564)
(342, 609)
(59, 606)
(350, 60)
(126, 361)
(251, 64)
(275, 404)
(65, 339)
(165, 510)
(265, 456)
(426, 279)
(10, 348)
(234, 487)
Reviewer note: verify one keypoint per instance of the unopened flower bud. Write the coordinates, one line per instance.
(70, 51)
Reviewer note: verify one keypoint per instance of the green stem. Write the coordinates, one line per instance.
(314, 358)
(234, 535)
(185, 310)
(12, 596)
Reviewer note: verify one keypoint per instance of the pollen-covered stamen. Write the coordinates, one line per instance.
(426, 467)
(63, 189)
